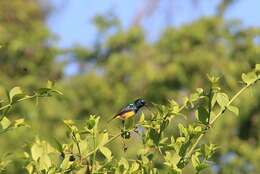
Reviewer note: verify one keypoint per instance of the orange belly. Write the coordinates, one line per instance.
(126, 115)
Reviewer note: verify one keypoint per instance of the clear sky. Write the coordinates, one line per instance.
(71, 20)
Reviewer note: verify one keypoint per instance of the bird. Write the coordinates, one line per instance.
(130, 110)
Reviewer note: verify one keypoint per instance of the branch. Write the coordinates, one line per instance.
(108, 141)
(217, 116)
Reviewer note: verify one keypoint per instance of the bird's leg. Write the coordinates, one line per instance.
(134, 121)
(124, 136)
(123, 122)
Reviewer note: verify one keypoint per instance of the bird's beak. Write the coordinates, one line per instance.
(148, 104)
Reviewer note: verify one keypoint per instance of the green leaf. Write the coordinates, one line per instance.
(208, 150)
(184, 147)
(178, 143)
(195, 160)
(142, 118)
(173, 102)
(103, 139)
(84, 146)
(196, 163)
(234, 109)
(58, 145)
(19, 123)
(45, 162)
(194, 97)
(202, 115)
(154, 135)
(174, 106)
(29, 168)
(183, 130)
(49, 89)
(201, 167)
(214, 100)
(106, 152)
(145, 160)
(164, 125)
(5, 123)
(222, 99)
(134, 167)
(92, 122)
(66, 163)
(36, 151)
(199, 90)
(171, 158)
(57, 91)
(249, 78)
(50, 84)
(212, 78)
(15, 94)
(198, 129)
(124, 162)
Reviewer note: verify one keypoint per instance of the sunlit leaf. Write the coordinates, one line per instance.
(134, 167)
(183, 130)
(142, 118)
(45, 162)
(103, 139)
(5, 123)
(249, 78)
(50, 84)
(196, 163)
(19, 123)
(106, 152)
(124, 163)
(37, 151)
(222, 99)
(15, 94)
(234, 109)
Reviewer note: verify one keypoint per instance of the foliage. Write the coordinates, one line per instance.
(120, 66)
(15, 96)
(87, 149)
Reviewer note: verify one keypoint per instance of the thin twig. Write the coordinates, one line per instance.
(108, 141)
(77, 143)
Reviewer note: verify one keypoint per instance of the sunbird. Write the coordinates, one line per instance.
(130, 110)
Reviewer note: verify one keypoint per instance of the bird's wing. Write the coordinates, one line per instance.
(130, 107)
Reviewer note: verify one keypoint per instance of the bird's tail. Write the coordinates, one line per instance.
(112, 119)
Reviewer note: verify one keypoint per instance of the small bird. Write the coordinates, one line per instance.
(129, 110)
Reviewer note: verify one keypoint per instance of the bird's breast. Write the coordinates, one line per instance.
(127, 115)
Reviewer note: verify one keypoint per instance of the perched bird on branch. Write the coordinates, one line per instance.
(130, 110)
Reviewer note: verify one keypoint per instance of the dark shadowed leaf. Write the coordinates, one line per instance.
(202, 115)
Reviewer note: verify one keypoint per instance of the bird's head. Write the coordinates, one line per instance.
(140, 103)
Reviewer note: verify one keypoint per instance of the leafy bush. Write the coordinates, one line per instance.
(87, 149)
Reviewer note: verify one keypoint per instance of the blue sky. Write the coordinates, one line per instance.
(71, 20)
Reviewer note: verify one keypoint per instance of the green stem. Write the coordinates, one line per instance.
(27, 97)
(94, 153)
(123, 121)
(77, 144)
(215, 118)
(108, 141)
(22, 99)
(231, 101)
(194, 146)
(210, 99)
(4, 107)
